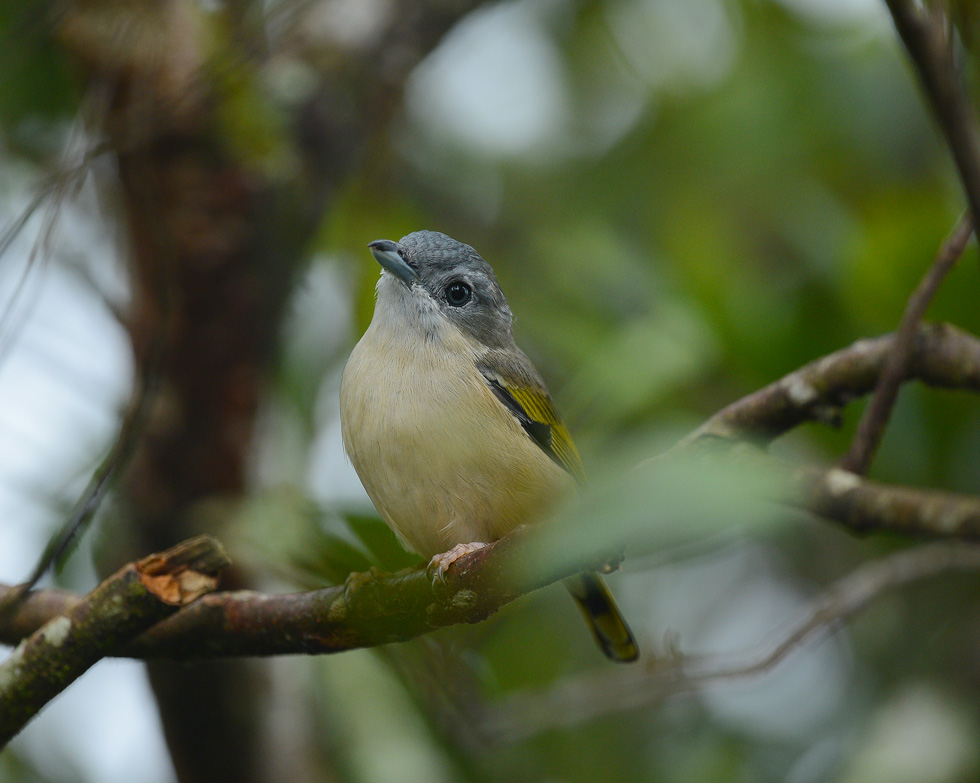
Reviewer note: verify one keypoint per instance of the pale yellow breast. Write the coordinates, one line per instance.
(441, 458)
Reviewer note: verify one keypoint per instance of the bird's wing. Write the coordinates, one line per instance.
(520, 389)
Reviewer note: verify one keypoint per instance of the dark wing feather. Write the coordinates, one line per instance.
(539, 431)
(517, 385)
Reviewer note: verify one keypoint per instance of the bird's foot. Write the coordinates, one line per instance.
(439, 564)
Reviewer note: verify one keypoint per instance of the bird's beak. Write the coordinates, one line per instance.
(387, 253)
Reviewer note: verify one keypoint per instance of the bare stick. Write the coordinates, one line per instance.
(875, 419)
(133, 599)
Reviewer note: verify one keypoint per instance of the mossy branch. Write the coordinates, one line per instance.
(88, 629)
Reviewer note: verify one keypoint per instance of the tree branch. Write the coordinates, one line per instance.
(371, 608)
(133, 599)
(941, 356)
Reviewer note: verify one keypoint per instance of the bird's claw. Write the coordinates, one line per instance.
(439, 564)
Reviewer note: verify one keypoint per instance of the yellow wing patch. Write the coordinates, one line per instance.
(537, 405)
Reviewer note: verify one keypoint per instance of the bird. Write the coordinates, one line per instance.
(448, 424)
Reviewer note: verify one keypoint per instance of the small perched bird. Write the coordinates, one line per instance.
(448, 424)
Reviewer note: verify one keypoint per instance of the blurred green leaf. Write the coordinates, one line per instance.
(657, 503)
(386, 551)
(330, 559)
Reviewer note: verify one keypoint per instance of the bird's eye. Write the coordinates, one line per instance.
(458, 294)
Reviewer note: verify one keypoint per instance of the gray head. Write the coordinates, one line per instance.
(457, 280)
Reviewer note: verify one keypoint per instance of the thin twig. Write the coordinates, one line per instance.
(130, 601)
(927, 38)
(66, 183)
(100, 483)
(572, 702)
(872, 425)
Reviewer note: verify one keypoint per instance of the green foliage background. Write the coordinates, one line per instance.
(764, 202)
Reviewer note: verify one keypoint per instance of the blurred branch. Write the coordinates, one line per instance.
(927, 34)
(875, 419)
(526, 714)
(864, 505)
(62, 184)
(66, 180)
(29, 614)
(133, 599)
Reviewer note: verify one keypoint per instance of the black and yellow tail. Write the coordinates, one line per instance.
(601, 613)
